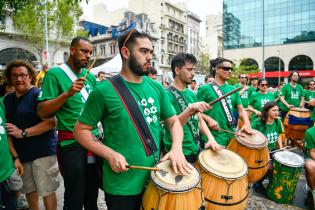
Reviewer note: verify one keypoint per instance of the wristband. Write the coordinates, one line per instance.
(14, 158)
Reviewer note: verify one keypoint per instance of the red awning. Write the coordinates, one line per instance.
(270, 74)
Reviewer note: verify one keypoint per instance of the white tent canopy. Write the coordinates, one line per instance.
(112, 66)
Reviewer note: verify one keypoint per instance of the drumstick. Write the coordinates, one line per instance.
(230, 132)
(143, 168)
(90, 67)
(224, 96)
(278, 150)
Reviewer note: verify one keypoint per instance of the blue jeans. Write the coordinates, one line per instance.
(7, 199)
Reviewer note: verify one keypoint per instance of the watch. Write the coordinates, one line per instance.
(15, 158)
(24, 133)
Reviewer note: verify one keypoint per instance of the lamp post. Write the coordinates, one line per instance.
(279, 66)
(44, 3)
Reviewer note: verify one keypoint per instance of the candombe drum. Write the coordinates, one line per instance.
(286, 172)
(170, 191)
(224, 180)
(253, 148)
(296, 122)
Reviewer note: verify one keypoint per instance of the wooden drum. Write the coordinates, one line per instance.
(254, 150)
(296, 122)
(224, 180)
(170, 191)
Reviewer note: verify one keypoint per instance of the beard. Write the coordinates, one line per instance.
(78, 64)
(135, 67)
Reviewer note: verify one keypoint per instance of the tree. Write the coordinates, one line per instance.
(62, 18)
(8, 6)
(203, 65)
(242, 69)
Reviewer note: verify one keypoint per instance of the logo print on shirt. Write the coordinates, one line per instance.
(149, 110)
(2, 130)
(294, 95)
(245, 94)
(264, 101)
(272, 137)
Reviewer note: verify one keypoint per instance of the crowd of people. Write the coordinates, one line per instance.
(50, 124)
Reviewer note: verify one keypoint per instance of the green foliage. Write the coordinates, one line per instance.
(203, 66)
(62, 18)
(242, 69)
(82, 33)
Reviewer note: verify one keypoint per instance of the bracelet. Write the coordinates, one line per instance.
(15, 158)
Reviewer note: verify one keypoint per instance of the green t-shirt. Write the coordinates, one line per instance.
(258, 100)
(6, 163)
(313, 115)
(207, 94)
(309, 141)
(244, 96)
(309, 95)
(251, 90)
(291, 95)
(189, 145)
(55, 83)
(271, 131)
(104, 105)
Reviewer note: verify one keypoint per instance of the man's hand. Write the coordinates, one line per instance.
(14, 131)
(247, 129)
(312, 102)
(118, 162)
(179, 162)
(198, 107)
(245, 88)
(290, 106)
(257, 113)
(76, 86)
(212, 124)
(213, 144)
(18, 166)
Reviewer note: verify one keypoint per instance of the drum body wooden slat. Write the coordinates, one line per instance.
(224, 193)
(165, 193)
(296, 132)
(256, 157)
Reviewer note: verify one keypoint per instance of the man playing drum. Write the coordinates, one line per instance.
(64, 92)
(291, 95)
(122, 145)
(222, 112)
(310, 159)
(184, 101)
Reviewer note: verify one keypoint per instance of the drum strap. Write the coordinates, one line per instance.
(226, 204)
(228, 114)
(135, 115)
(182, 103)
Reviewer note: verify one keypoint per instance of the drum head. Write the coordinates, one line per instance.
(300, 109)
(289, 159)
(166, 179)
(223, 163)
(255, 140)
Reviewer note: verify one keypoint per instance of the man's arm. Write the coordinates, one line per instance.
(243, 115)
(312, 153)
(212, 124)
(175, 155)
(302, 104)
(16, 160)
(83, 134)
(191, 110)
(282, 99)
(50, 107)
(40, 128)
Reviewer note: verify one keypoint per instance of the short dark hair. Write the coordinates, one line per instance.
(100, 72)
(207, 77)
(181, 59)
(18, 63)
(131, 35)
(218, 63)
(77, 39)
(239, 76)
(291, 74)
(152, 70)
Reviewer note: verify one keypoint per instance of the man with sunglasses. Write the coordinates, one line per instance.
(222, 111)
(244, 92)
(64, 92)
(122, 146)
(291, 95)
(252, 88)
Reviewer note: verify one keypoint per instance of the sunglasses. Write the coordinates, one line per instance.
(264, 85)
(225, 68)
(243, 77)
(311, 84)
